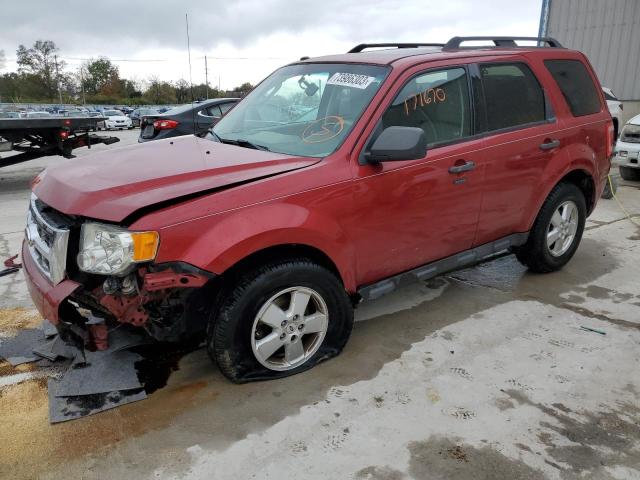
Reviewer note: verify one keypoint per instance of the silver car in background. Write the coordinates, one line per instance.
(627, 151)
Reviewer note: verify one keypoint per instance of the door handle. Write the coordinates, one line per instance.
(464, 167)
(550, 144)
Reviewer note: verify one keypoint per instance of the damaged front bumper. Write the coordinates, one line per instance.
(170, 302)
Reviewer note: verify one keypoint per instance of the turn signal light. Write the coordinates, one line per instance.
(165, 124)
(145, 245)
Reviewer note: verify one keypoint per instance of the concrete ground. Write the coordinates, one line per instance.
(483, 374)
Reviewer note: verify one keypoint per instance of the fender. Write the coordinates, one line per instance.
(217, 243)
(555, 175)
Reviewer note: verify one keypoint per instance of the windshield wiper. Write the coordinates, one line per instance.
(242, 143)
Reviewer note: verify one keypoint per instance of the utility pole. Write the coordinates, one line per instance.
(55, 58)
(206, 76)
(84, 100)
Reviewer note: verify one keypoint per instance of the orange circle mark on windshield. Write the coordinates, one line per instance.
(323, 129)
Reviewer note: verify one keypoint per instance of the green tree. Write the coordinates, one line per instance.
(10, 87)
(183, 91)
(159, 92)
(99, 74)
(39, 62)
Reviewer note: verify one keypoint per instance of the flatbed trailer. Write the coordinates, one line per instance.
(39, 137)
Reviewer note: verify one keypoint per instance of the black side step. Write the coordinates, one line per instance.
(430, 270)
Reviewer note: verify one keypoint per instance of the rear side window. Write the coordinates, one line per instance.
(213, 111)
(512, 94)
(576, 85)
(437, 102)
(225, 107)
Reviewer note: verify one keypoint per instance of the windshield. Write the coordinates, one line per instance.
(112, 113)
(304, 109)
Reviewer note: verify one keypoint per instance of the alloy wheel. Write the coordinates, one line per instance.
(289, 328)
(562, 228)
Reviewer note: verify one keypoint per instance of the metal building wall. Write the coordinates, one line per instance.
(608, 32)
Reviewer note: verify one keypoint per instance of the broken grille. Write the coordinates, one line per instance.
(47, 239)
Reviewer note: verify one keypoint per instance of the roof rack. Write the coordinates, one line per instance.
(362, 46)
(510, 42)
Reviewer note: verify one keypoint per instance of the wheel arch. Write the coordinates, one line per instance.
(285, 251)
(579, 176)
(584, 181)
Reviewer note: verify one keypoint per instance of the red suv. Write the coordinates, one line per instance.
(336, 180)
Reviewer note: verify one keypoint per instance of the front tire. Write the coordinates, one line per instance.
(557, 230)
(278, 320)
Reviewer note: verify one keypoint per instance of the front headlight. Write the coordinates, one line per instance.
(110, 250)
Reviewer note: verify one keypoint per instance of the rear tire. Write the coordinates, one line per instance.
(629, 173)
(237, 323)
(554, 239)
(608, 191)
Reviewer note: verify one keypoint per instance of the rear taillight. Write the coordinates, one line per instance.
(610, 139)
(64, 134)
(165, 124)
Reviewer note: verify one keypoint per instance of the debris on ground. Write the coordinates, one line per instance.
(103, 372)
(19, 349)
(64, 408)
(84, 382)
(10, 266)
(594, 330)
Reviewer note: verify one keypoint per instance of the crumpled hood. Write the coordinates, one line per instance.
(114, 183)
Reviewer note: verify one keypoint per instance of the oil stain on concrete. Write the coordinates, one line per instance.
(440, 458)
(587, 442)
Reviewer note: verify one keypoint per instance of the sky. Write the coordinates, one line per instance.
(244, 40)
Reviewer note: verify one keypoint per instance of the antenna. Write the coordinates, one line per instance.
(206, 75)
(193, 113)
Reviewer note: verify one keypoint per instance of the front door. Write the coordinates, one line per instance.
(417, 211)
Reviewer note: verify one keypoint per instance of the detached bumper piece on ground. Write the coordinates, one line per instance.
(84, 382)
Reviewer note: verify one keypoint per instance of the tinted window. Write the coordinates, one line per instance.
(576, 86)
(513, 95)
(226, 106)
(437, 102)
(213, 111)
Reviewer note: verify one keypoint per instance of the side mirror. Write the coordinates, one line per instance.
(398, 143)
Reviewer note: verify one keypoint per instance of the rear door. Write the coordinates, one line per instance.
(417, 211)
(522, 138)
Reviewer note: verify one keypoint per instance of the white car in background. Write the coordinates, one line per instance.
(615, 109)
(115, 119)
(627, 151)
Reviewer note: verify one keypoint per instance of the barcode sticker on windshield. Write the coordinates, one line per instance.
(351, 80)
